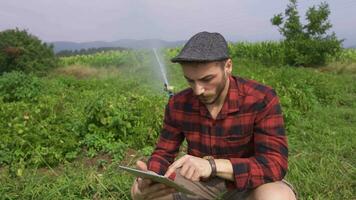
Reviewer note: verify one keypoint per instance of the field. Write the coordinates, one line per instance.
(63, 134)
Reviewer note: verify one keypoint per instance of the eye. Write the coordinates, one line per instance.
(206, 80)
(190, 81)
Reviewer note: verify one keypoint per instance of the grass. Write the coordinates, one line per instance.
(321, 121)
(322, 165)
(74, 181)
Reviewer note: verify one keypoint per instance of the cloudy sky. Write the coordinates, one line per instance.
(109, 20)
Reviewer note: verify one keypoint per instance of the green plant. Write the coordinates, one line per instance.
(268, 53)
(116, 122)
(17, 86)
(22, 51)
(307, 45)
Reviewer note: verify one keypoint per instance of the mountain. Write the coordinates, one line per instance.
(125, 43)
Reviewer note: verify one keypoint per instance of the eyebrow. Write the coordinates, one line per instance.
(205, 77)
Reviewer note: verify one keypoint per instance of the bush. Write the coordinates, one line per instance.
(311, 52)
(36, 134)
(116, 122)
(22, 51)
(307, 45)
(17, 86)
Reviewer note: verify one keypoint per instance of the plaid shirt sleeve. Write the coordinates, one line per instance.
(168, 143)
(270, 161)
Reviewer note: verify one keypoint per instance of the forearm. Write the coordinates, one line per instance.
(224, 169)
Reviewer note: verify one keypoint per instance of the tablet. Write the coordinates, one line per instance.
(156, 178)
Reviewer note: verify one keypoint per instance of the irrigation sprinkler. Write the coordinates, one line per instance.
(167, 88)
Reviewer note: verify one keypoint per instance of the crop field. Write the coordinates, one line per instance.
(62, 135)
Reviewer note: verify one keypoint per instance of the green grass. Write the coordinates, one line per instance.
(72, 181)
(319, 108)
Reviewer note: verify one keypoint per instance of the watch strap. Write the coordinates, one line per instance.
(212, 164)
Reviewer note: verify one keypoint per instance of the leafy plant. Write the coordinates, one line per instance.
(17, 86)
(22, 51)
(115, 122)
(307, 45)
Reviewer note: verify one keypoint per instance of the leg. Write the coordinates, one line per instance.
(279, 190)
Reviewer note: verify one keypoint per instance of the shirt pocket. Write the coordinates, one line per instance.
(238, 138)
(237, 145)
(240, 127)
(233, 138)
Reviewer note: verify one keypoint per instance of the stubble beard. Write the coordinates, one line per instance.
(219, 91)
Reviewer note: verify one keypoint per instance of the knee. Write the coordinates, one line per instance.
(272, 191)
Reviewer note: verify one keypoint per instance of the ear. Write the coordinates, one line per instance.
(228, 67)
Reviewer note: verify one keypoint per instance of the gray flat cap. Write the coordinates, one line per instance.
(203, 47)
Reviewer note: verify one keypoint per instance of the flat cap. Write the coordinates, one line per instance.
(203, 47)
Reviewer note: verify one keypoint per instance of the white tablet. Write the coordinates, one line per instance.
(156, 178)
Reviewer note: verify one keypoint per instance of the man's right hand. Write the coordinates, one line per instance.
(145, 189)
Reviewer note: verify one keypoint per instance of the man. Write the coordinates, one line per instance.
(237, 147)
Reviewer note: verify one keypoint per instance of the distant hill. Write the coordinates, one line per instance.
(126, 43)
(88, 51)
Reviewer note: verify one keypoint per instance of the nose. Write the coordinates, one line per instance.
(198, 89)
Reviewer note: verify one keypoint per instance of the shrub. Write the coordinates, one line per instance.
(307, 45)
(36, 134)
(116, 122)
(17, 86)
(22, 51)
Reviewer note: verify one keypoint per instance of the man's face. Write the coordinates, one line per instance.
(207, 80)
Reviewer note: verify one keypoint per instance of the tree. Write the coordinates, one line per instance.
(22, 51)
(307, 45)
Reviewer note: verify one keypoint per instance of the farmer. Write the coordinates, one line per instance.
(236, 141)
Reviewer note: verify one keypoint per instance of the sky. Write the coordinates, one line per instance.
(171, 20)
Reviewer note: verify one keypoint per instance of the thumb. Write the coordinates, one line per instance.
(141, 165)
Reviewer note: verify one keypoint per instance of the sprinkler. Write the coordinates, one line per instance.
(169, 89)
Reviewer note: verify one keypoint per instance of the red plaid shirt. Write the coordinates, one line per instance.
(249, 131)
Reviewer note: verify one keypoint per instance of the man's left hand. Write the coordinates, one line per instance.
(192, 168)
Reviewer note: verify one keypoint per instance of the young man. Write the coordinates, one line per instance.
(237, 147)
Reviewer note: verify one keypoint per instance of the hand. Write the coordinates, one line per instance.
(192, 168)
(146, 189)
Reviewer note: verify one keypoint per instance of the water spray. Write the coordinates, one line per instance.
(168, 88)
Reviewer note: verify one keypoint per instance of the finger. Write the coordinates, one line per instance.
(141, 165)
(143, 183)
(190, 173)
(134, 189)
(177, 164)
(183, 171)
(196, 176)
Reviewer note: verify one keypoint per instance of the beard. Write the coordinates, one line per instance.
(211, 99)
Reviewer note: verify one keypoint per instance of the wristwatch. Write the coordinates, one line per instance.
(212, 164)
